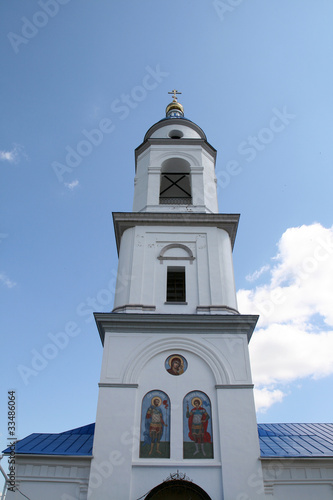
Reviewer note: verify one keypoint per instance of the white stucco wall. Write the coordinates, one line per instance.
(218, 365)
(51, 478)
(299, 479)
(142, 275)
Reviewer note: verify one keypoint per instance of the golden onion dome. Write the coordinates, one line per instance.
(174, 105)
(174, 108)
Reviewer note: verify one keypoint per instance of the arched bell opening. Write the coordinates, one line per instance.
(177, 490)
(175, 186)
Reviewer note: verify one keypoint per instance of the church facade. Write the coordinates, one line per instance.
(176, 415)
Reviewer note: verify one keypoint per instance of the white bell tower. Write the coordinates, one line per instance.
(175, 167)
(175, 416)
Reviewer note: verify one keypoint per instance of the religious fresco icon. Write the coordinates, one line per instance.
(155, 425)
(175, 364)
(197, 426)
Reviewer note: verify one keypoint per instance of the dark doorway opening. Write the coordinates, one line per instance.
(177, 490)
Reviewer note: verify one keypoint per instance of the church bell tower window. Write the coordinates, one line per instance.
(176, 289)
(175, 188)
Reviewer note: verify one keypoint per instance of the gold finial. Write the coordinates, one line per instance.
(174, 92)
(174, 109)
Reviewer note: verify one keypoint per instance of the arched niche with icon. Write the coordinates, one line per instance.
(155, 425)
(197, 426)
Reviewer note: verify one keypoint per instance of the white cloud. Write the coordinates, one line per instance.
(265, 398)
(284, 353)
(7, 156)
(254, 276)
(295, 335)
(72, 185)
(6, 281)
(13, 156)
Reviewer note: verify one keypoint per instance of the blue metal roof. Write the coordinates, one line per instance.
(76, 442)
(296, 440)
(276, 441)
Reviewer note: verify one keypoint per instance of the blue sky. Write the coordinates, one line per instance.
(257, 77)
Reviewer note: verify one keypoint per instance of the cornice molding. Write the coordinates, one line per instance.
(122, 386)
(234, 386)
(194, 324)
(126, 220)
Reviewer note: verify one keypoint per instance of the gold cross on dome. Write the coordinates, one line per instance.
(174, 92)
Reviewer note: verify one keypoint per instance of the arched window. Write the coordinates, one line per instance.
(155, 425)
(175, 188)
(197, 426)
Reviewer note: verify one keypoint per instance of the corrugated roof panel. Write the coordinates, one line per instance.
(324, 431)
(86, 429)
(296, 440)
(38, 442)
(300, 445)
(73, 441)
(266, 447)
(288, 445)
(313, 445)
(48, 442)
(77, 442)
